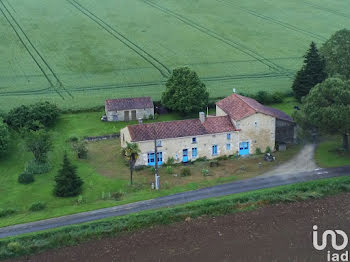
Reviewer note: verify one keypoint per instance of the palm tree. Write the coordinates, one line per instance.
(131, 152)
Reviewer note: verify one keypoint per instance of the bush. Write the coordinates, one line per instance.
(268, 149)
(169, 170)
(37, 206)
(26, 178)
(28, 117)
(117, 196)
(35, 168)
(81, 149)
(39, 143)
(170, 162)
(7, 212)
(73, 139)
(277, 97)
(14, 247)
(4, 137)
(258, 151)
(205, 172)
(186, 171)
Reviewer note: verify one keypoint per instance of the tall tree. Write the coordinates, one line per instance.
(68, 183)
(336, 51)
(131, 153)
(327, 108)
(39, 143)
(312, 73)
(185, 92)
(4, 137)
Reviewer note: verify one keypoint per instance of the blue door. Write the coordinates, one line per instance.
(152, 160)
(244, 148)
(185, 155)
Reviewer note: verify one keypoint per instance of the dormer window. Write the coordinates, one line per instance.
(194, 140)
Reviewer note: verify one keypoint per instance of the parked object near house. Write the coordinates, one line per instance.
(129, 109)
(241, 125)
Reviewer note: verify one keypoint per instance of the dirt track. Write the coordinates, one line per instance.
(275, 233)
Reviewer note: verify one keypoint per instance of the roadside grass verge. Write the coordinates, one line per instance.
(329, 153)
(71, 235)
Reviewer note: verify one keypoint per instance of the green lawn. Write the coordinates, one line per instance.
(329, 153)
(287, 105)
(115, 52)
(103, 172)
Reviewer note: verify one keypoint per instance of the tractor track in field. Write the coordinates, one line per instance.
(161, 67)
(276, 21)
(60, 84)
(332, 11)
(238, 46)
(148, 84)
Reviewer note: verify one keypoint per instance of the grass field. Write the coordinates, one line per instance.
(77, 53)
(329, 153)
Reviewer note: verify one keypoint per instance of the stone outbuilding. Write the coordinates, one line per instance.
(129, 109)
(241, 126)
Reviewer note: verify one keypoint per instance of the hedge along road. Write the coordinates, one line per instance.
(176, 199)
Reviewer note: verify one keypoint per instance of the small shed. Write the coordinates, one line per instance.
(126, 109)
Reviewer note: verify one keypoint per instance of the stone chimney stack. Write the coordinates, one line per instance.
(202, 117)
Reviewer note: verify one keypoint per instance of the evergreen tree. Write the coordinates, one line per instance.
(68, 183)
(312, 73)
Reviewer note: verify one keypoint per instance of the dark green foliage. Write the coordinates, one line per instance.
(268, 149)
(37, 206)
(185, 92)
(312, 72)
(7, 212)
(26, 178)
(336, 51)
(258, 151)
(32, 116)
(117, 195)
(80, 147)
(4, 137)
(71, 235)
(68, 183)
(327, 109)
(186, 171)
(39, 143)
(266, 98)
(36, 168)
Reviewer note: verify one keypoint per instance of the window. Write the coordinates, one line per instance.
(151, 158)
(229, 136)
(215, 150)
(159, 143)
(194, 152)
(194, 140)
(160, 157)
(228, 146)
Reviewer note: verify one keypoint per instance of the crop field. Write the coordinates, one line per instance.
(77, 53)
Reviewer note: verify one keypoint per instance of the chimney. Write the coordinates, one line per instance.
(140, 120)
(234, 90)
(202, 117)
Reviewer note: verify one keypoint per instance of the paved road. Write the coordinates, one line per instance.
(172, 200)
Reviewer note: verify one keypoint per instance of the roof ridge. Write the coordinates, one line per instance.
(241, 97)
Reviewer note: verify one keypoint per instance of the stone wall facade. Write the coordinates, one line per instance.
(129, 115)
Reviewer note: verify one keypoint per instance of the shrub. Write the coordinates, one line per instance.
(264, 98)
(14, 247)
(277, 97)
(258, 151)
(117, 196)
(166, 185)
(186, 171)
(37, 206)
(35, 168)
(81, 149)
(152, 169)
(205, 172)
(268, 149)
(39, 143)
(170, 162)
(26, 178)
(169, 170)
(73, 139)
(4, 137)
(7, 212)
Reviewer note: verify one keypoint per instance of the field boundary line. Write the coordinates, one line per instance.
(60, 85)
(276, 21)
(161, 67)
(240, 47)
(327, 10)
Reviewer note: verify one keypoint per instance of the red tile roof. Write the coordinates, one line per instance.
(239, 107)
(181, 128)
(128, 103)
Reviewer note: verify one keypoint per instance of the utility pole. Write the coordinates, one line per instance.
(156, 177)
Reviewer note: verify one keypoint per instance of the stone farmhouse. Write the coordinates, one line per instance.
(240, 126)
(126, 109)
